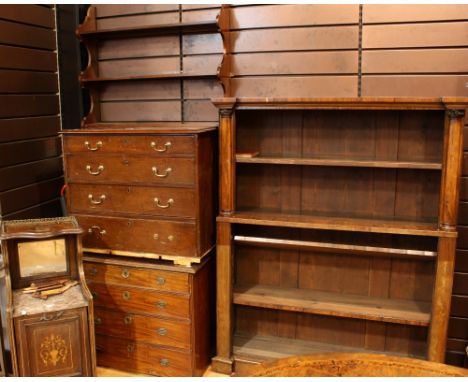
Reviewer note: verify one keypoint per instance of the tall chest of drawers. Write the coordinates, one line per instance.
(144, 189)
(152, 318)
(144, 194)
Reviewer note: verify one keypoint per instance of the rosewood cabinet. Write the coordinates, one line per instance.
(152, 318)
(47, 303)
(337, 226)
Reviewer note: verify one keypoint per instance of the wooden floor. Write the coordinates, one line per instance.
(106, 372)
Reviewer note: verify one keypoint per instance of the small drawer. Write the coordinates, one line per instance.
(140, 277)
(148, 329)
(155, 145)
(141, 357)
(135, 300)
(149, 201)
(112, 169)
(147, 236)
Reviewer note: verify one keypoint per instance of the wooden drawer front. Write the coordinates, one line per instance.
(151, 236)
(137, 356)
(157, 145)
(133, 300)
(130, 169)
(53, 344)
(142, 328)
(150, 201)
(147, 278)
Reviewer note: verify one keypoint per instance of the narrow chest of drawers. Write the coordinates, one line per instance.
(152, 318)
(143, 192)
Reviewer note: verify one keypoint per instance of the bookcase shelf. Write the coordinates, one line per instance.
(334, 304)
(337, 226)
(258, 349)
(340, 223)
(339, 162)
(335, 248)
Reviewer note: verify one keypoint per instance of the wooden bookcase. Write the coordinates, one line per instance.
(337, 226)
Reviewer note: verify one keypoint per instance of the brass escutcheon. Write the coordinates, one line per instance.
(125, 274)
(162, 331)
(164, 362)
(128, 319)
(160, 280)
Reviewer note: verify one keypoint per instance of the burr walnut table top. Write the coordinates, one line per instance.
(355, 365)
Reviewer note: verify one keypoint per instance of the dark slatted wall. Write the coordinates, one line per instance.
(295, 50)
(162, 99)
(30, 149)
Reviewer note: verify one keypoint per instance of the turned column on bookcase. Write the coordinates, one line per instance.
(448, 209)
(224, 260)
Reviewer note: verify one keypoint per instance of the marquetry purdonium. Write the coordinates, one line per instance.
(48, 306)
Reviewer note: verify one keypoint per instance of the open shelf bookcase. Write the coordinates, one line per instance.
(337, 226)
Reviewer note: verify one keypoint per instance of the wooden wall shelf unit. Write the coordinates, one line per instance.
(119, 55)
(337, 226)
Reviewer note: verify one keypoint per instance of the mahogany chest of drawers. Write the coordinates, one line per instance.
(152, 318)
(144, 189)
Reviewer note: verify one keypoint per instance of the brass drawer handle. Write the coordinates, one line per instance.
(169, 203)
(128, 319)
(97, 321)
(98, 229)
(96, 148)
(53, 316)
(97, 172)
(169, 238)
(163, 149)
(101, 199)
(164, 362)
(130, 348)
(160, 280)
(125, 274)
(126, 295)
(166, 173)
(92, 271)
(162, 331)
(161, 304)
(95, 295)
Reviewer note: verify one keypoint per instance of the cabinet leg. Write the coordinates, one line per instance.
(222, 363)
(441, 299)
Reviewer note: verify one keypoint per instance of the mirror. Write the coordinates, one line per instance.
(42, 257)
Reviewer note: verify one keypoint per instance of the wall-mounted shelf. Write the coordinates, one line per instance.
(186, 76)
(198, 27)
(171, 69)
